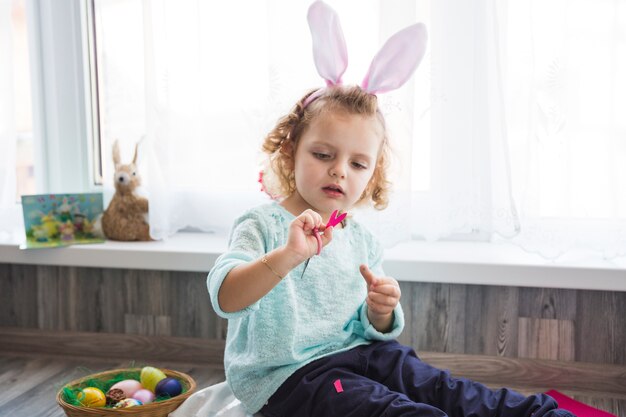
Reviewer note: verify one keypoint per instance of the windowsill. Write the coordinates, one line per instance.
(444, 262)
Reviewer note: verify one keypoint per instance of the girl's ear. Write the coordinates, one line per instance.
(369, 188)
(287, 149)
(373, 183)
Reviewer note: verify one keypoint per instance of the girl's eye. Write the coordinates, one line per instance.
(358, 165)
(320, 155)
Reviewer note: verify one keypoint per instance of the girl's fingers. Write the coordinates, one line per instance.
(309, 222)
(383, 300)
(378, 308)
(387, 289)
(314, 229)
(367, 274)
(318, 237)
(312, 219)
(327, 236)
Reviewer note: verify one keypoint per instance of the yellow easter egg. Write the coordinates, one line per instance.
(92, 397)
(150, 377)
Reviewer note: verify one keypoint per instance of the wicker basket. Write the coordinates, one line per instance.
(155, 409)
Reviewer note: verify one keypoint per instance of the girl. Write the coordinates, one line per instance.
(312, 333)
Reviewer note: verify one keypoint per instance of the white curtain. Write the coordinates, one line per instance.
(218, 76)
(510, 131)
(10, 218)
(453, 179)
(565, 106)
(522, 129)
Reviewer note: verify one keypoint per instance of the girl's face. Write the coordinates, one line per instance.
(334, 162)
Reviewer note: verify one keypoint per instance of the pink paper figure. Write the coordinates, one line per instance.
(332, 222)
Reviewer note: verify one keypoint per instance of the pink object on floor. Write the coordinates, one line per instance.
(576, 407)
(338, 386)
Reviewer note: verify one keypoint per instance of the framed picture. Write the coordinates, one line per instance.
(53, 220)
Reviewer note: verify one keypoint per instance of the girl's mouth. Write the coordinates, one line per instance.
(333, 191)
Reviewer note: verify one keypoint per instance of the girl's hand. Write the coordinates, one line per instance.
(302, 241)
(383, 295)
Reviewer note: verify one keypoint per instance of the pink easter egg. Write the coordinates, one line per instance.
(129, 386)
(144, 395)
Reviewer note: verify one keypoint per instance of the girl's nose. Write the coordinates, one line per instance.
(338, 171)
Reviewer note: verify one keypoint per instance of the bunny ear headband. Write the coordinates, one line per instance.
(392, 66)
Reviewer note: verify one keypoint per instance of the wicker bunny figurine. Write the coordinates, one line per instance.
(125, 218)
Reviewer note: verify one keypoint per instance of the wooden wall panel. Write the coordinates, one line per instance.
(53, 302)
(147, 325)
(491, 320)
(406, 300)
(435, 316)
(601, 323)
(146, 290)
(501, 320)
(587, 326)
(428, 316)
(113, 296)
(8, 292)
(457, 326)
(546, 339)
(475, 340)
(18, 295)
(190, 308)
(82, 291)
(547, 303)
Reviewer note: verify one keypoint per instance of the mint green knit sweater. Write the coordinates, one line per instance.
(301, 319)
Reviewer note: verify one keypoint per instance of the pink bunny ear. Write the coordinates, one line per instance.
(329, 46)
(394, 64)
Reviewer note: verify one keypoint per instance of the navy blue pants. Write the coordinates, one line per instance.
(388, 379)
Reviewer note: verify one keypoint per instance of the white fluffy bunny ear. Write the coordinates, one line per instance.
(329, 46)
(396, 61)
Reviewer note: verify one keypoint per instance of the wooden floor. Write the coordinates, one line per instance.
(29, 383)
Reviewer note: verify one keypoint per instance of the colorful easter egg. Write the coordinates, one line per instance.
(92, 397)
(127, 403)
(168, 387)
(129, 386)
(115, 395)
(144, 395)
(150, 377)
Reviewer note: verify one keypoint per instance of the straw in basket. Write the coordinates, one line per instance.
(155, 409)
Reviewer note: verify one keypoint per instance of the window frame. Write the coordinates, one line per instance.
(61, 92)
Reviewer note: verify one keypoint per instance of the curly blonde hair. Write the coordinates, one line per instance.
(289, 129)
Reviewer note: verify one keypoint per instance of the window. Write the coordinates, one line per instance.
(204, 82)
(513, 115)
(119, 76)
(25, 174)
(62, 138)
(565, 103)
(203, 76)
(516, 127)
